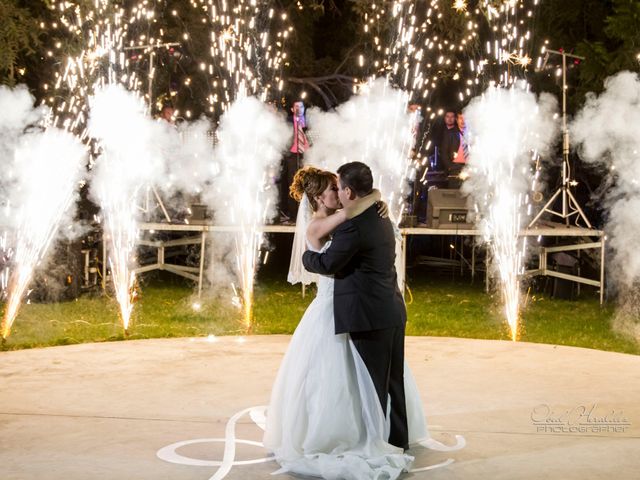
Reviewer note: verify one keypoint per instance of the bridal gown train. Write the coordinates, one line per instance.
(324, 418)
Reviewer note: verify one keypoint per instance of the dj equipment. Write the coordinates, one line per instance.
(447, 209)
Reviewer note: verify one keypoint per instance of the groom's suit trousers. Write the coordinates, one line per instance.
(383, 353)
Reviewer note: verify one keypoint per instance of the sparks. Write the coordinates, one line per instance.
(45, 172)
(501, 170)
(460, 5)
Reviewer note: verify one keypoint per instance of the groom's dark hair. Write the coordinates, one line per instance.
(357, 176)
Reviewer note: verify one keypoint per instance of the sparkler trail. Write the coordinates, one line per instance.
(17, 105)
(421, 45)
(251, 139)
(85, 82)
(130, 156)
(501, 175)
(469, 45)
(105, 30)
(44, 168)
(247, 53)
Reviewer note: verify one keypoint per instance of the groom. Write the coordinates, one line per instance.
(367, 302)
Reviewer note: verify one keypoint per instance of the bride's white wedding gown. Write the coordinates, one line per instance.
(324, 418)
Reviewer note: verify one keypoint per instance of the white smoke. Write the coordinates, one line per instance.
(373, 127)
(18, 113)
(251, 139)
(42, 169)
(506, 129)
(130, 159)
(46, 172)
(145, 152)
(184, 156)
(189, 157)
(18, 110)
(131, 154)
(606, 132)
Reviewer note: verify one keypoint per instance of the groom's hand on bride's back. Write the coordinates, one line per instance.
(383, 209)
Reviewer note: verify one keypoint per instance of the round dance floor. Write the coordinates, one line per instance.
(191, 409)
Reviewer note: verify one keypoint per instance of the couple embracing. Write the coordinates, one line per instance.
(344, 404)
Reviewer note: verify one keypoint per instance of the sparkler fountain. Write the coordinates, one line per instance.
(443, 40)
(251, 138)
(501, 176)
(126, 154)
(18, 107)
(129, 157)
(111, 110)
(44, 168)
(499, 159)
(247, 56)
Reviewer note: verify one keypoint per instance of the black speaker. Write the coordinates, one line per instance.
(447, 209)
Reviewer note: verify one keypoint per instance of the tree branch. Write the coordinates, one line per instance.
(325, 86)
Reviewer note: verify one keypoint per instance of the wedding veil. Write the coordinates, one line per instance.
(297, 272)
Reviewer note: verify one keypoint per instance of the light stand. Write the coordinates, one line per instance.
(570, 205)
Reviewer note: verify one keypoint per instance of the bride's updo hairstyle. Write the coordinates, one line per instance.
(310, 181)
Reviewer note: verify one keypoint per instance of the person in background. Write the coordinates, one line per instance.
(292, 162)
(449, 143)
(462, 155)
(167, 114)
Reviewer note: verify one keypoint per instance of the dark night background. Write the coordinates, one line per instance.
(326, 39)
(325, 43)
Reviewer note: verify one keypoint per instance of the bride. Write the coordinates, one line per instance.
(325, 418)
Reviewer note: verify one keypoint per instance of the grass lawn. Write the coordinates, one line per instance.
(437, 307)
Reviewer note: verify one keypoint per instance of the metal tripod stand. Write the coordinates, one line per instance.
(570, 205)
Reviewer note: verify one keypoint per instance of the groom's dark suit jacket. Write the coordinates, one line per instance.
(362, 259)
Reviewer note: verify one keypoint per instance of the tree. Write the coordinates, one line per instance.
(606, 33)
(18, 37)
(618, 50)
